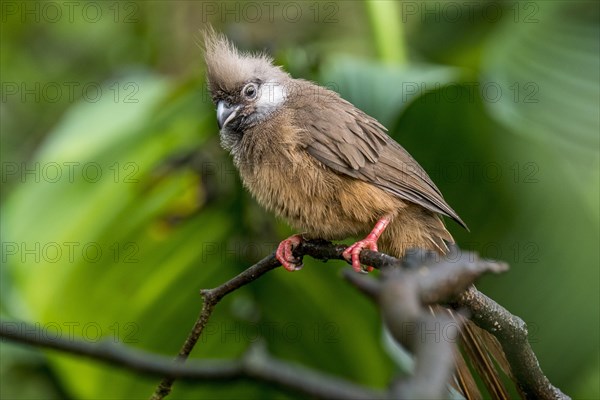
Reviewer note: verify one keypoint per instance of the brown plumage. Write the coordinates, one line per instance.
(320, 163)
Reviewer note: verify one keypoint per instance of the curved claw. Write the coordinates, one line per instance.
(285, 253)
(352, 254)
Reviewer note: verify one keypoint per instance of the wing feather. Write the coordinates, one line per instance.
(352, 143)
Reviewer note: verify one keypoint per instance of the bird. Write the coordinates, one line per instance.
(320, 163)
(317, 161)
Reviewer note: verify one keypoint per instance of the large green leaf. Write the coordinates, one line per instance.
(547, 72)
(142, 289)
(381, 90)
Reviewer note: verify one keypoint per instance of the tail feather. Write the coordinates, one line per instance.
(479, 353)
(495, 350)
(481, 348)
(464, 382)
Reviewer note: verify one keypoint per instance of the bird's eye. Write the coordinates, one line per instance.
(250, 90)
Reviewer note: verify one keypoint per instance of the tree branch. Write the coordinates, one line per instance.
(419, 279)
(405, 296)
(256, 364)
(511, 332)
(211, 298)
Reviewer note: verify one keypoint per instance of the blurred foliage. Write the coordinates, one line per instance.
(118, 204)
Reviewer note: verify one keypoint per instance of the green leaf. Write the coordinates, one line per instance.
(93, 253)
(380, 90)
(546, 75)
(546, 70)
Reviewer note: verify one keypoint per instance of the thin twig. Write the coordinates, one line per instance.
(211, 299)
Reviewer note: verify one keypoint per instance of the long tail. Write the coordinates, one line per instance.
(486, 357)
(478, 355)
(481, 353)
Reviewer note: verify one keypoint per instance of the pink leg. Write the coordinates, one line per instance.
(286, 257)
(352, 253)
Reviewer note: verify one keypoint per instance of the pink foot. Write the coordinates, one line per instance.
(286, 257)
(352, 253)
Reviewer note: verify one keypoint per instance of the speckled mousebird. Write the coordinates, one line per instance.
(320, 163)
(331, 171)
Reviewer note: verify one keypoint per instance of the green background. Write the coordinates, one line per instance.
(118, 204)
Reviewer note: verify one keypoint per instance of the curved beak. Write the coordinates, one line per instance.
(225, 113)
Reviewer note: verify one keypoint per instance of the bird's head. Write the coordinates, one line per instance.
(246, 88)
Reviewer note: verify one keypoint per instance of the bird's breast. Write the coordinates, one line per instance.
(291, 187)
(312, 198)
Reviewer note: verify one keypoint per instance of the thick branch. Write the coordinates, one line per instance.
(430, 333)
(511, 332)
(444, 278)
(256, 364)
(412, 326)
(116, 354)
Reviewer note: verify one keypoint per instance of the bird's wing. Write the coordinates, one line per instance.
(352, 143)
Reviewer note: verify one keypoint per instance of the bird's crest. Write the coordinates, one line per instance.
(227, 68)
